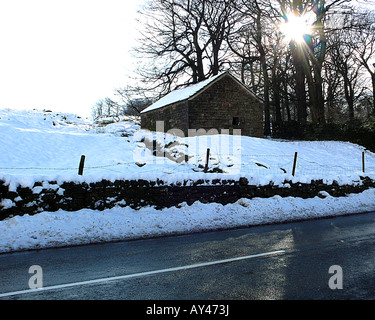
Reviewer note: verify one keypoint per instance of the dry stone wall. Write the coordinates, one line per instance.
(69, 196)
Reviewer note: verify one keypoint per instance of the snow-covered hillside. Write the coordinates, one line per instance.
(39, 145)
(45, 145)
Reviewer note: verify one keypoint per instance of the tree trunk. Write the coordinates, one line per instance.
(263, 62)
(276, 97)
(215, 64)
(300, 88)
(286, 100)
(267, 117)
(330, 103)
(317, 60)
(319, 99)
(349, 96)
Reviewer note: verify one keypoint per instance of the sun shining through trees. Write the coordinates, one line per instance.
(296, 27)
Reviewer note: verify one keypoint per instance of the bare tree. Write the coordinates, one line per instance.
(106, 107)
(183, 41)
(219, 16)
(344, 61)
(133, 100)
(310, 56)
(253, 32)
(98, 109)
(364, 46)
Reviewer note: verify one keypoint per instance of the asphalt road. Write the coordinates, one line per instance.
(278, 262)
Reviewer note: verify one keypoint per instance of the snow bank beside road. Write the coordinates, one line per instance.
(62, 228)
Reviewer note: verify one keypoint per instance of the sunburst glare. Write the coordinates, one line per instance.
(296, 27)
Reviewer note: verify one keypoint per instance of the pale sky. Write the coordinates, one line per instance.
(64, 55)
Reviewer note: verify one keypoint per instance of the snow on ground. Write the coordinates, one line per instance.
(38, 146)
(61, 228)
(47, 146)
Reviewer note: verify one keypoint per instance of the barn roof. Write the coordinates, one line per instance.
(190, 92)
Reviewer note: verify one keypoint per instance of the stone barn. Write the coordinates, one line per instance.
(221, 102)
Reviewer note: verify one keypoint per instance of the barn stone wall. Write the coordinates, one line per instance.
(227, 105)
(174, 116)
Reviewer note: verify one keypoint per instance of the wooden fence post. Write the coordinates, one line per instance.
(295, 163)
(207, 159)
(363, 162)
(81, 165)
